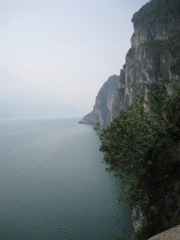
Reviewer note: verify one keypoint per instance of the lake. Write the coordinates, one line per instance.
(53, 183)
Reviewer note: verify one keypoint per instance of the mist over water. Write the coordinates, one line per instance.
(53, 183)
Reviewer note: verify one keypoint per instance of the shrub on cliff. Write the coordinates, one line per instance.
(142, 147)
(148, 16)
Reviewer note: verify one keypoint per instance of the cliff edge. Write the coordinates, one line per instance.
(152, 62)
(102, 112)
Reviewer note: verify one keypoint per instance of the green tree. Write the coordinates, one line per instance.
(142, 147)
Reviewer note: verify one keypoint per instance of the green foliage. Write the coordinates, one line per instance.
(148, 16)
(142, 147)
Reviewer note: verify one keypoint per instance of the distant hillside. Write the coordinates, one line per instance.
(152, 62)
(103, 109)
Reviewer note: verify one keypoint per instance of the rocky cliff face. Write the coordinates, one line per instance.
(103, 109)
(152, 62)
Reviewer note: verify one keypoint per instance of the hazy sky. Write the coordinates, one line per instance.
(56, 54)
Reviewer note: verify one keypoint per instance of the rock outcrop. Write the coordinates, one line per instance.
(171, 234)
(152, 62)
(103, 109)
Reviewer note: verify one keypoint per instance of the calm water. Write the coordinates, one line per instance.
(53, 184)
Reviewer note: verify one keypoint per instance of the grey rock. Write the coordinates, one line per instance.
(171, 234)
(103, 109)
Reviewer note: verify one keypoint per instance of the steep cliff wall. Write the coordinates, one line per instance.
(103, 109)
(153, 60)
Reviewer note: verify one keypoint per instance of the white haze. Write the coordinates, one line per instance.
(56, 54)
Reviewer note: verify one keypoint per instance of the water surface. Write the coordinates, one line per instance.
(53, 184)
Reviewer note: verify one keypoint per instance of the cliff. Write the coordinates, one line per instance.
(152, 62)
(103, 109)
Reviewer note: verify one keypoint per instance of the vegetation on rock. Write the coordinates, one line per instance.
(167, 50)
(148, 16)
(142, 147)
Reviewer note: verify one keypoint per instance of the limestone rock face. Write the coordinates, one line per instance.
(152, 62)
(103, 109)
(138, 220)
(154, 57)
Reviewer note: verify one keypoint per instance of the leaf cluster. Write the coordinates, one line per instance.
(157, 13)
(142, 147)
